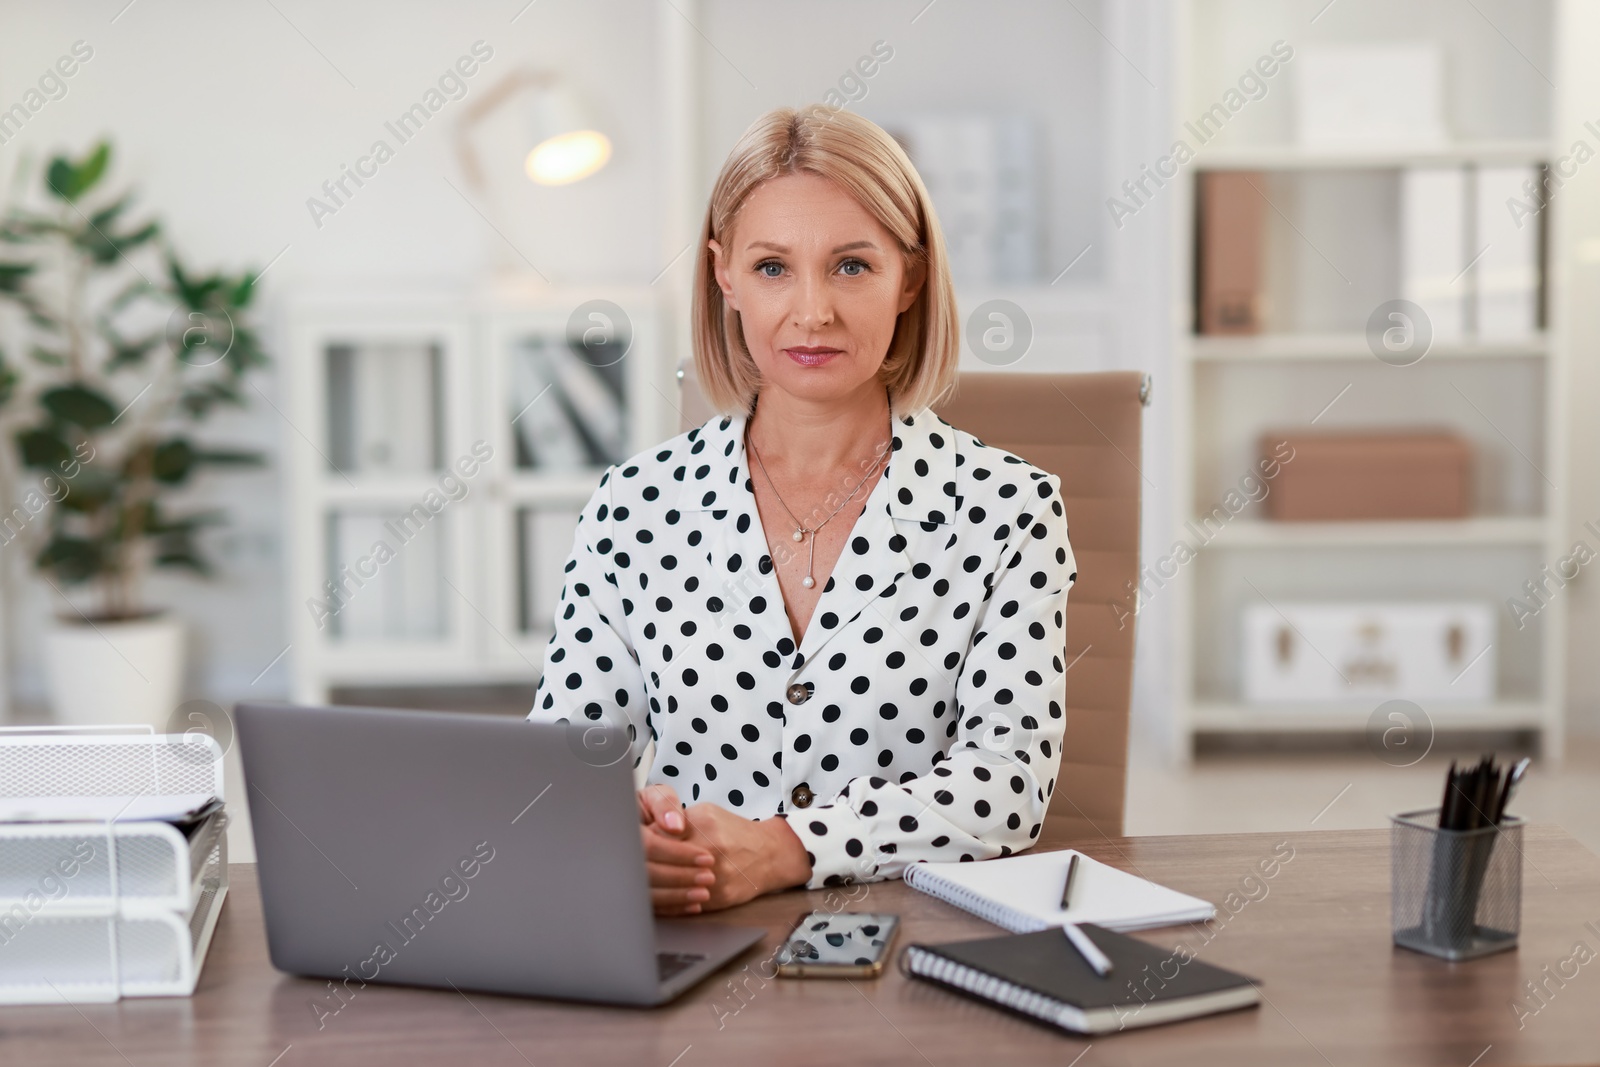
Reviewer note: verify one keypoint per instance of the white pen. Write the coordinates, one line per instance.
(1087, 949)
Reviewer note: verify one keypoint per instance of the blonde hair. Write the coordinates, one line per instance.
(863, 160)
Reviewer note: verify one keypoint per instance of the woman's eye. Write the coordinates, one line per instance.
(777, 268)
(849, 263)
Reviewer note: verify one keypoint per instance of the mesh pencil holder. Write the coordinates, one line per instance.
(1455, 894)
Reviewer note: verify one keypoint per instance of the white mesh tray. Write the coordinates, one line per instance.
(98, 910)
(75, 954)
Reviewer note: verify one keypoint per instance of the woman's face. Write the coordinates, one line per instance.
(818, 283)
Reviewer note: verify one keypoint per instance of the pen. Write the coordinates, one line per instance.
(1087, 949)
(1072, 869)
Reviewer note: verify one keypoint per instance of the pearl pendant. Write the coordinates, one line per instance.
(799, 535)
(808, 581)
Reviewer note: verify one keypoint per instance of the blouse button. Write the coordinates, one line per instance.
(801, 797)
(798, 693)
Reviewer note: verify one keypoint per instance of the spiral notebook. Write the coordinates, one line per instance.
(1042, 975)
(1023, 893)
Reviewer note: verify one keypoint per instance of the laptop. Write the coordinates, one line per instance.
(471, 852)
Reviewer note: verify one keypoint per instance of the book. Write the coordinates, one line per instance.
(1043, 976)
(1507, 270)
(1232, 227)
(1433, 247)
(1023, 893)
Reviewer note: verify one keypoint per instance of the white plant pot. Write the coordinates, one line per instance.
(115, 672)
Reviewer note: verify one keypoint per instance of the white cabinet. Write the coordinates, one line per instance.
(439, 451)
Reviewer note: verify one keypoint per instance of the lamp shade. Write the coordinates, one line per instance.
(567, 143)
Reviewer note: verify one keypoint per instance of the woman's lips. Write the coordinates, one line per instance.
(811, 357)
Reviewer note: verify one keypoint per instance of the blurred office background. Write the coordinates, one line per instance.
(1235, 196)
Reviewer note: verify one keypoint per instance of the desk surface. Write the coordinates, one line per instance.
(1335, 989)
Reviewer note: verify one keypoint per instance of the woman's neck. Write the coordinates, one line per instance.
(811, 440)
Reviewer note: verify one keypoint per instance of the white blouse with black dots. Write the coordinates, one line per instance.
(921, 717)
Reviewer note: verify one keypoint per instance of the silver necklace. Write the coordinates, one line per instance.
(800, 528)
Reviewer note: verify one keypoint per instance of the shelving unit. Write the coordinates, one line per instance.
(467, 594)
(1506, 394)
(1353, 346)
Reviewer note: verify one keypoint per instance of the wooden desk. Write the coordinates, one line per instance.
(1336, 990)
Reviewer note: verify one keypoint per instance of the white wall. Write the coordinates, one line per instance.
(1575, 259)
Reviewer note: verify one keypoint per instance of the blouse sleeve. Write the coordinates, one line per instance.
(987, 796)
(591, 672)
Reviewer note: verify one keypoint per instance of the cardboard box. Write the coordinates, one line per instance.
(1357, 652)
(1368, 475)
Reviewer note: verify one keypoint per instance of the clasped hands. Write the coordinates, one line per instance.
(704, 857)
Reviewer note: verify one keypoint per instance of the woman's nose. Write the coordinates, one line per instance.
(813, 305)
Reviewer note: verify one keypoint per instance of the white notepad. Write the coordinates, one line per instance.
(1023, 893)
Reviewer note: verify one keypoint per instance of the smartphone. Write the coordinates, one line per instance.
(827, 944)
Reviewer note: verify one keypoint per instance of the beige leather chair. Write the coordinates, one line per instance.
(1086, 429)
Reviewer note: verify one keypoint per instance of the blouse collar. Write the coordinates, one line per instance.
(921, 471)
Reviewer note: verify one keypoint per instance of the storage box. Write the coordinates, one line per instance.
(1343, 653)
(1365, 475)
(1353, 96)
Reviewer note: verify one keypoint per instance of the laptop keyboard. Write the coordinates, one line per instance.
(671, 963)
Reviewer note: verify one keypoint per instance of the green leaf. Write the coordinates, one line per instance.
(80, 405)
(12, 276)
(231, 458)
(105, 247)
(91, 490)
(8, 380)
(40, 318)
(72, 559)
(171, 461)
(131, 292)
(107, 216)
(47, 357)
(60, 177)
(68, 180)
(196, 293)
(182, 554)
(126, 353)
(199, 401)
(243, 290)
(25, 228)
(188, 523)
(43, 447)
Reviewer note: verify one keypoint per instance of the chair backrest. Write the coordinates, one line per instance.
(1084, 428)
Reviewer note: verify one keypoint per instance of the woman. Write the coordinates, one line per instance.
(832, 622)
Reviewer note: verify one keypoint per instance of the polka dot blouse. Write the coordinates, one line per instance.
(921, 716)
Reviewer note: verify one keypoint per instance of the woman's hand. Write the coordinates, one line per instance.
(681, 873)
(744, 857)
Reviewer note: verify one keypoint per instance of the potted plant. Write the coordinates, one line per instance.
(124, 349)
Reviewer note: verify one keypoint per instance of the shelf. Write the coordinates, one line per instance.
(564, 488)
(1293, 157)
(384, 491)
(1224, 717)
(1291, 347)
(1420, 533)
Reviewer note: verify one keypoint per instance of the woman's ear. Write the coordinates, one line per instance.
(719, 268)
(916, 274)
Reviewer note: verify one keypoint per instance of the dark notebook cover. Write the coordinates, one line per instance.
(1143, 987)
